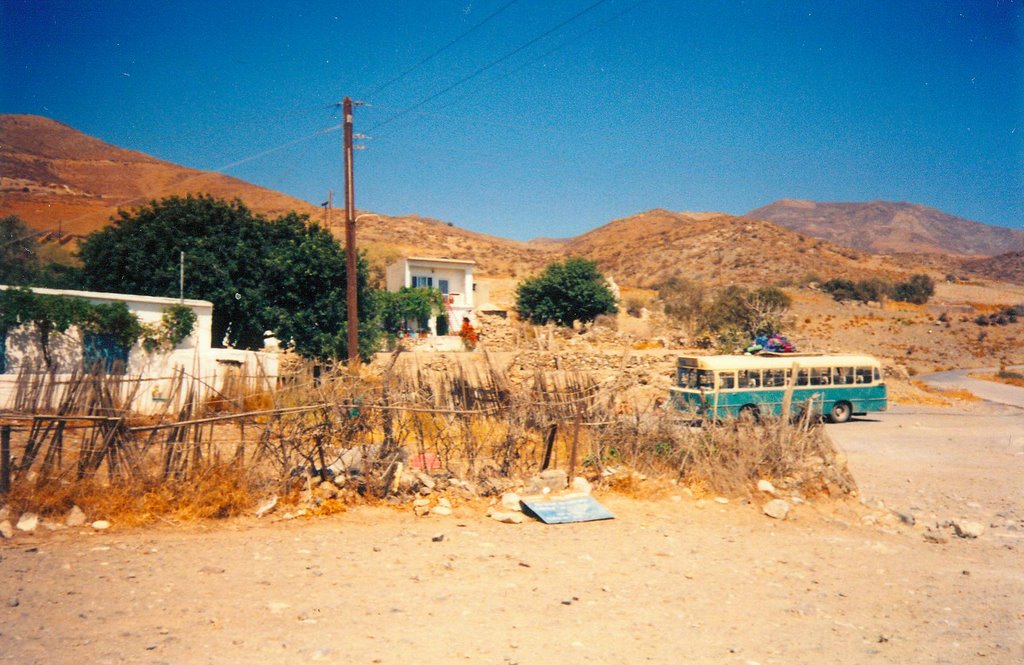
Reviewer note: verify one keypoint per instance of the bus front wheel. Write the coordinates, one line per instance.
(840, 412)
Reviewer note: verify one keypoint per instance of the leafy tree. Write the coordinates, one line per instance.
(48, 314)
(752, 313)
(19, 261)
(568, 291)
(683, 301)
(283, 275)
(408, 304)
(918, 290)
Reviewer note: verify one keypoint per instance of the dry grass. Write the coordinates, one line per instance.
(1006, 377)
(946, 394)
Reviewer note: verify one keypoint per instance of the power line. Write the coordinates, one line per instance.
(488, 66)
(444, 48)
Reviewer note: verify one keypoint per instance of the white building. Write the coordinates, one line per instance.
(452, 277)
(195, 354)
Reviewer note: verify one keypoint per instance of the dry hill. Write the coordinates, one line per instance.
(1007, 267)
(890, 228)
(716, 248)
(54, 176)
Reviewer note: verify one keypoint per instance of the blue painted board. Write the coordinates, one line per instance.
(564, 511)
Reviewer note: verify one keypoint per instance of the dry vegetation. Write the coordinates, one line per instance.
(374, 438)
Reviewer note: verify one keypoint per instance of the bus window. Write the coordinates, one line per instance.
(878, 375)
(802, 377)
(705, 379)
(727, 380)
(863, 374)
(774, 378)
(748, 378)
(819, 376)
(842, 375)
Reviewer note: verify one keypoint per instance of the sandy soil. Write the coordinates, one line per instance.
(672, 579)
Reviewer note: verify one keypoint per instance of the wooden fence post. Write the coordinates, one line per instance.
(5, 459)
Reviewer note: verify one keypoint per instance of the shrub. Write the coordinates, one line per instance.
(917, 290)
(573, 290)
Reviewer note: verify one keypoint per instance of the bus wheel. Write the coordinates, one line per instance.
(840, 413)
(750, 414)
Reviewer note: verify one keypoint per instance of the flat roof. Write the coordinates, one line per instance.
(438, 260)
(124, 297)
(776, 362)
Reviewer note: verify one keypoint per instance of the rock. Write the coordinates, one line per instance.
(426, 481)
(437, 537)
(421, 507)
(101, 525)
(440, 510)
(443, 502)
(28, 522)
(935, 538)
(906, 518)
(776, 508)
(75, 517)
(327, 490)
(267, 506)
(507, 518)
(968, 529)
(553, 480)
(510, 501)
(13, 602)
(721, 499)
(765, 486)
(581, 485)
(5, 513)
(6, 529)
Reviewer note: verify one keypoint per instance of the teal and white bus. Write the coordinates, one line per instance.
(837, 387)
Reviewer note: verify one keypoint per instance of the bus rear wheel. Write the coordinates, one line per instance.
(750, 414)
(840, 412)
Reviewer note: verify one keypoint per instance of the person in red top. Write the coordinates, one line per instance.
(468, 334)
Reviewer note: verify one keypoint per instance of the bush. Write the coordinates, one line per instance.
(573, 290)
(917, 290)
(751, 313)
(866, 290)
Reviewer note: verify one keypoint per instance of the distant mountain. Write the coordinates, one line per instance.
(54, 176)
(716, 248)
(891, 228)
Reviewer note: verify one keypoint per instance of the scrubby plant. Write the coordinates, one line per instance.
(565, 292)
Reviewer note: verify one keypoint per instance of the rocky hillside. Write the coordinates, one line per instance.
(891, 228)
(644, 249)
(52, 175)
(1008, 267)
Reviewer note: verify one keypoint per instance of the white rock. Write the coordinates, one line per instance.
(75, 517)
(765, 486)
(267, 506)
(28, 522)
(6, 530)
(443, 502)
(510, 501)
(721, 499)
(968, 529)
(440, 510)
(581, 485)
(776, 508)
(507, 518)
(100, 525)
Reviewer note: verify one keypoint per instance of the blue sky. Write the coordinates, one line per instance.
(722, 106)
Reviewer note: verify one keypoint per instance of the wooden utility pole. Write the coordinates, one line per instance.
(350, 244)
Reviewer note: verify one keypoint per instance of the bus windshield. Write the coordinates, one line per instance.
(696, 379)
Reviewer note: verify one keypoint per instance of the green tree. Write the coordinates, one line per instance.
(572, 290)
(752, 313)
(19, 260)
(918, 290)
(683, 301)
(48, 314)
(284, 276)
(408, 304)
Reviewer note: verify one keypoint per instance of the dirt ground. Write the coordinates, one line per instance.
(671, 579)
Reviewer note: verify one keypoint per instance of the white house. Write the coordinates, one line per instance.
(195, 354)
(452, 277)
